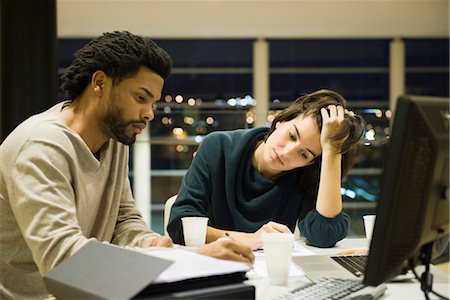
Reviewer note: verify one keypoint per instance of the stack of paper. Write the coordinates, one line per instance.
(187, 264)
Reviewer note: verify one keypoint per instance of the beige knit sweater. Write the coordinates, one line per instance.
(54, 197)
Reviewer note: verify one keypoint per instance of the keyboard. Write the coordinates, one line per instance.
(330, 288)
(356, 264)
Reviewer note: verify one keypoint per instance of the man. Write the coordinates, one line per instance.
(64, 172)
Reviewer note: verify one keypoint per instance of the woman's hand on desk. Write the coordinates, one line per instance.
(228, 249)
(160, 241)
(253, 240)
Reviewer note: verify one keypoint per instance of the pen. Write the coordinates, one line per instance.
(354, 251)
(229, 237)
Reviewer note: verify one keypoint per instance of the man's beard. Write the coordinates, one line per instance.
(116, 125)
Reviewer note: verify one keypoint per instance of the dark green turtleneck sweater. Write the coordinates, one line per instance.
(222, 184)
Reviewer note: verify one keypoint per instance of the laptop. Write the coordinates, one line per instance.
(339, 266)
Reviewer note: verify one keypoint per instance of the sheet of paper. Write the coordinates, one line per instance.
(259, 270)
(301, 250)
(188, 264)
(298, 250)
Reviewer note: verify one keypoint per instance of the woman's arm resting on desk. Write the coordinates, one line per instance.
(324, 232)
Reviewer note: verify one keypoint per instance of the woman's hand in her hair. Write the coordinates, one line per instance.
(333, 127)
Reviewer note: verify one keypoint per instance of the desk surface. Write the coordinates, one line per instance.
(402, 290)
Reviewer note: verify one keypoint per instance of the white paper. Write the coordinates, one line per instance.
(298, 250)
(301, 250)
(259, 270)
(188, 264)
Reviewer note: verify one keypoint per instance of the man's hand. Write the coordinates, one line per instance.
(228, 249)
(160, 241)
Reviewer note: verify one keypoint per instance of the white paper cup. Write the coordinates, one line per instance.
(278, 255)
(194, 230)
(369, 222)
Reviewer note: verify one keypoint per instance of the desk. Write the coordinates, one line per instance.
(404, 290)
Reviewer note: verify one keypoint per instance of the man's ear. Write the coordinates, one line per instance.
(98, 82)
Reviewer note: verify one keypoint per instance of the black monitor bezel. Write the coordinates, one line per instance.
(385, 243)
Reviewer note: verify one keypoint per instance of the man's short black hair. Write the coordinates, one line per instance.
(119, 54)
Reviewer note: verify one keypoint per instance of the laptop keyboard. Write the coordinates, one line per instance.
(356, 264)
(329, 288)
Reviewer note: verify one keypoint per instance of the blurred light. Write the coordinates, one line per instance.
(191, 101)
(366, 144)
(244, 102)
(188, 120)
(388, 113)
(185, 148)
(179, 148)
(167, 109)
(165, 120)
(198, 139)
(378, 113)
(370, 135)
(178, 132)
(370, 110)
(209, 120)
(168, 98)
(232, 102)
(179, 98)
(249, 99)
(349, 193)
(276, 101)
(387, 130)
(270, 118)
(250, 120)
(198, 101)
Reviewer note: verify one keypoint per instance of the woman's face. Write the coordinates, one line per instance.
(293, 144)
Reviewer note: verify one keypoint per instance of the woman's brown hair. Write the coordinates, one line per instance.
(310, 105)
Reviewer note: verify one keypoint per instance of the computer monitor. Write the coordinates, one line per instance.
(413, 204)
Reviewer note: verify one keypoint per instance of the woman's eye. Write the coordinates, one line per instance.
(291, 136)
(303, 154)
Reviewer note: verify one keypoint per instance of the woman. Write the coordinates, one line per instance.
(251, 181)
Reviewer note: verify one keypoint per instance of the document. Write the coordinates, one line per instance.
(298, 250)
(187, 265)
(259, 270)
